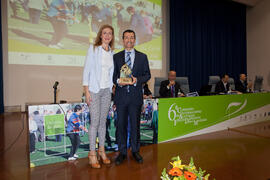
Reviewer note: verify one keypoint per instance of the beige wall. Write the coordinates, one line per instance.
(34, 84)
(258, 41)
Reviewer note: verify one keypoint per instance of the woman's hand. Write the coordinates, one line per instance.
(88, 98)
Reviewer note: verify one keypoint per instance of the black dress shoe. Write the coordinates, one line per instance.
(120, 158)
(137, 157)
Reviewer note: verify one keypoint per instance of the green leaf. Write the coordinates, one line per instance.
(191, 163)
(176, 158)
(201, 172)
(164, 176)
(207, 176)
(181, 178)
(164, 172)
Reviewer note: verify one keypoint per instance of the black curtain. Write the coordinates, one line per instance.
(1, 69)
(207, 37)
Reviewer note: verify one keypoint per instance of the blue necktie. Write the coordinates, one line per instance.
(172, 91)
(128, 59)
(128, 62)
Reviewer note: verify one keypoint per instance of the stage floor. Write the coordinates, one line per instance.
(234, 154)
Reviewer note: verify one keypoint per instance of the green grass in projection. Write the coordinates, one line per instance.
(51, 151)
(26, 37)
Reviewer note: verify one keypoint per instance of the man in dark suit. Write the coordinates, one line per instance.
(170, 88)
(223, 85)
(129, 96)
(147, 94)
(241, 85)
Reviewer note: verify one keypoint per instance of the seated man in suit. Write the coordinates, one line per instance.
(170, 88)
(147, 94)
(241, 85)
(223, 85)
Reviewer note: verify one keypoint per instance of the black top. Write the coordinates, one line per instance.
(146, 90)
(220, 87)
(241, 86)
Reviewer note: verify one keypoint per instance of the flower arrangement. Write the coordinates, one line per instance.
(181, 171)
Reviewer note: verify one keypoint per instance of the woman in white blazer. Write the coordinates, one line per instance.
(97, 83)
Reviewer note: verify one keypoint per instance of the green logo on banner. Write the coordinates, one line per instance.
(186, 115)
(54, 124)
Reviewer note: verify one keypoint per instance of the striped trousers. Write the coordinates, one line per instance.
(99, 108)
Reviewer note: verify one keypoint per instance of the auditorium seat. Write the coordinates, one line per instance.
(231, 82)
(213, 80)
(158, 80)
(183, 81)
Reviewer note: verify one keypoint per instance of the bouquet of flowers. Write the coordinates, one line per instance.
(181, 171)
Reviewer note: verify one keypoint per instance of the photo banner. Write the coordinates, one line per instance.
(183, 117)
(49, 130)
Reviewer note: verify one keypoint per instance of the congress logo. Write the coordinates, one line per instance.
(178, 114)
(235, 107)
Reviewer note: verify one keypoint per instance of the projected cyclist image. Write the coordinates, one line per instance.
(58, 32)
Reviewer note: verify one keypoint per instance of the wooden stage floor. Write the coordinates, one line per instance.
(234, 154)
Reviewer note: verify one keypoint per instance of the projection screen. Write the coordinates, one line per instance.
(34, 38)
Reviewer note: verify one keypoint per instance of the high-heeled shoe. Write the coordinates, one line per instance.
(93, 161)
(102, 154)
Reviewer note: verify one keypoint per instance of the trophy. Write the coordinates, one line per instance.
(125, 74)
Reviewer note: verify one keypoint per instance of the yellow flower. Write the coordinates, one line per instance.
(177, 164)
(175, 178)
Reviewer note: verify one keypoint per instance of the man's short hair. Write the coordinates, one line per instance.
(129, 31)
(223, 75)
(241, 74)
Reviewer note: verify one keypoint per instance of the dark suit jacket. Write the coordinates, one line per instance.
(241, 87)
(146, 90)
(165, 92)
(220, 87)
(140, 70)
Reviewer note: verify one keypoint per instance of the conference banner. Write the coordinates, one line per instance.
(49, 140)
(185, 117)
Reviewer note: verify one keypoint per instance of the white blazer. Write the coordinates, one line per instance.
(92, 69)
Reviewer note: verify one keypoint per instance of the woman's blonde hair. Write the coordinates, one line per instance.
(98, 40)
